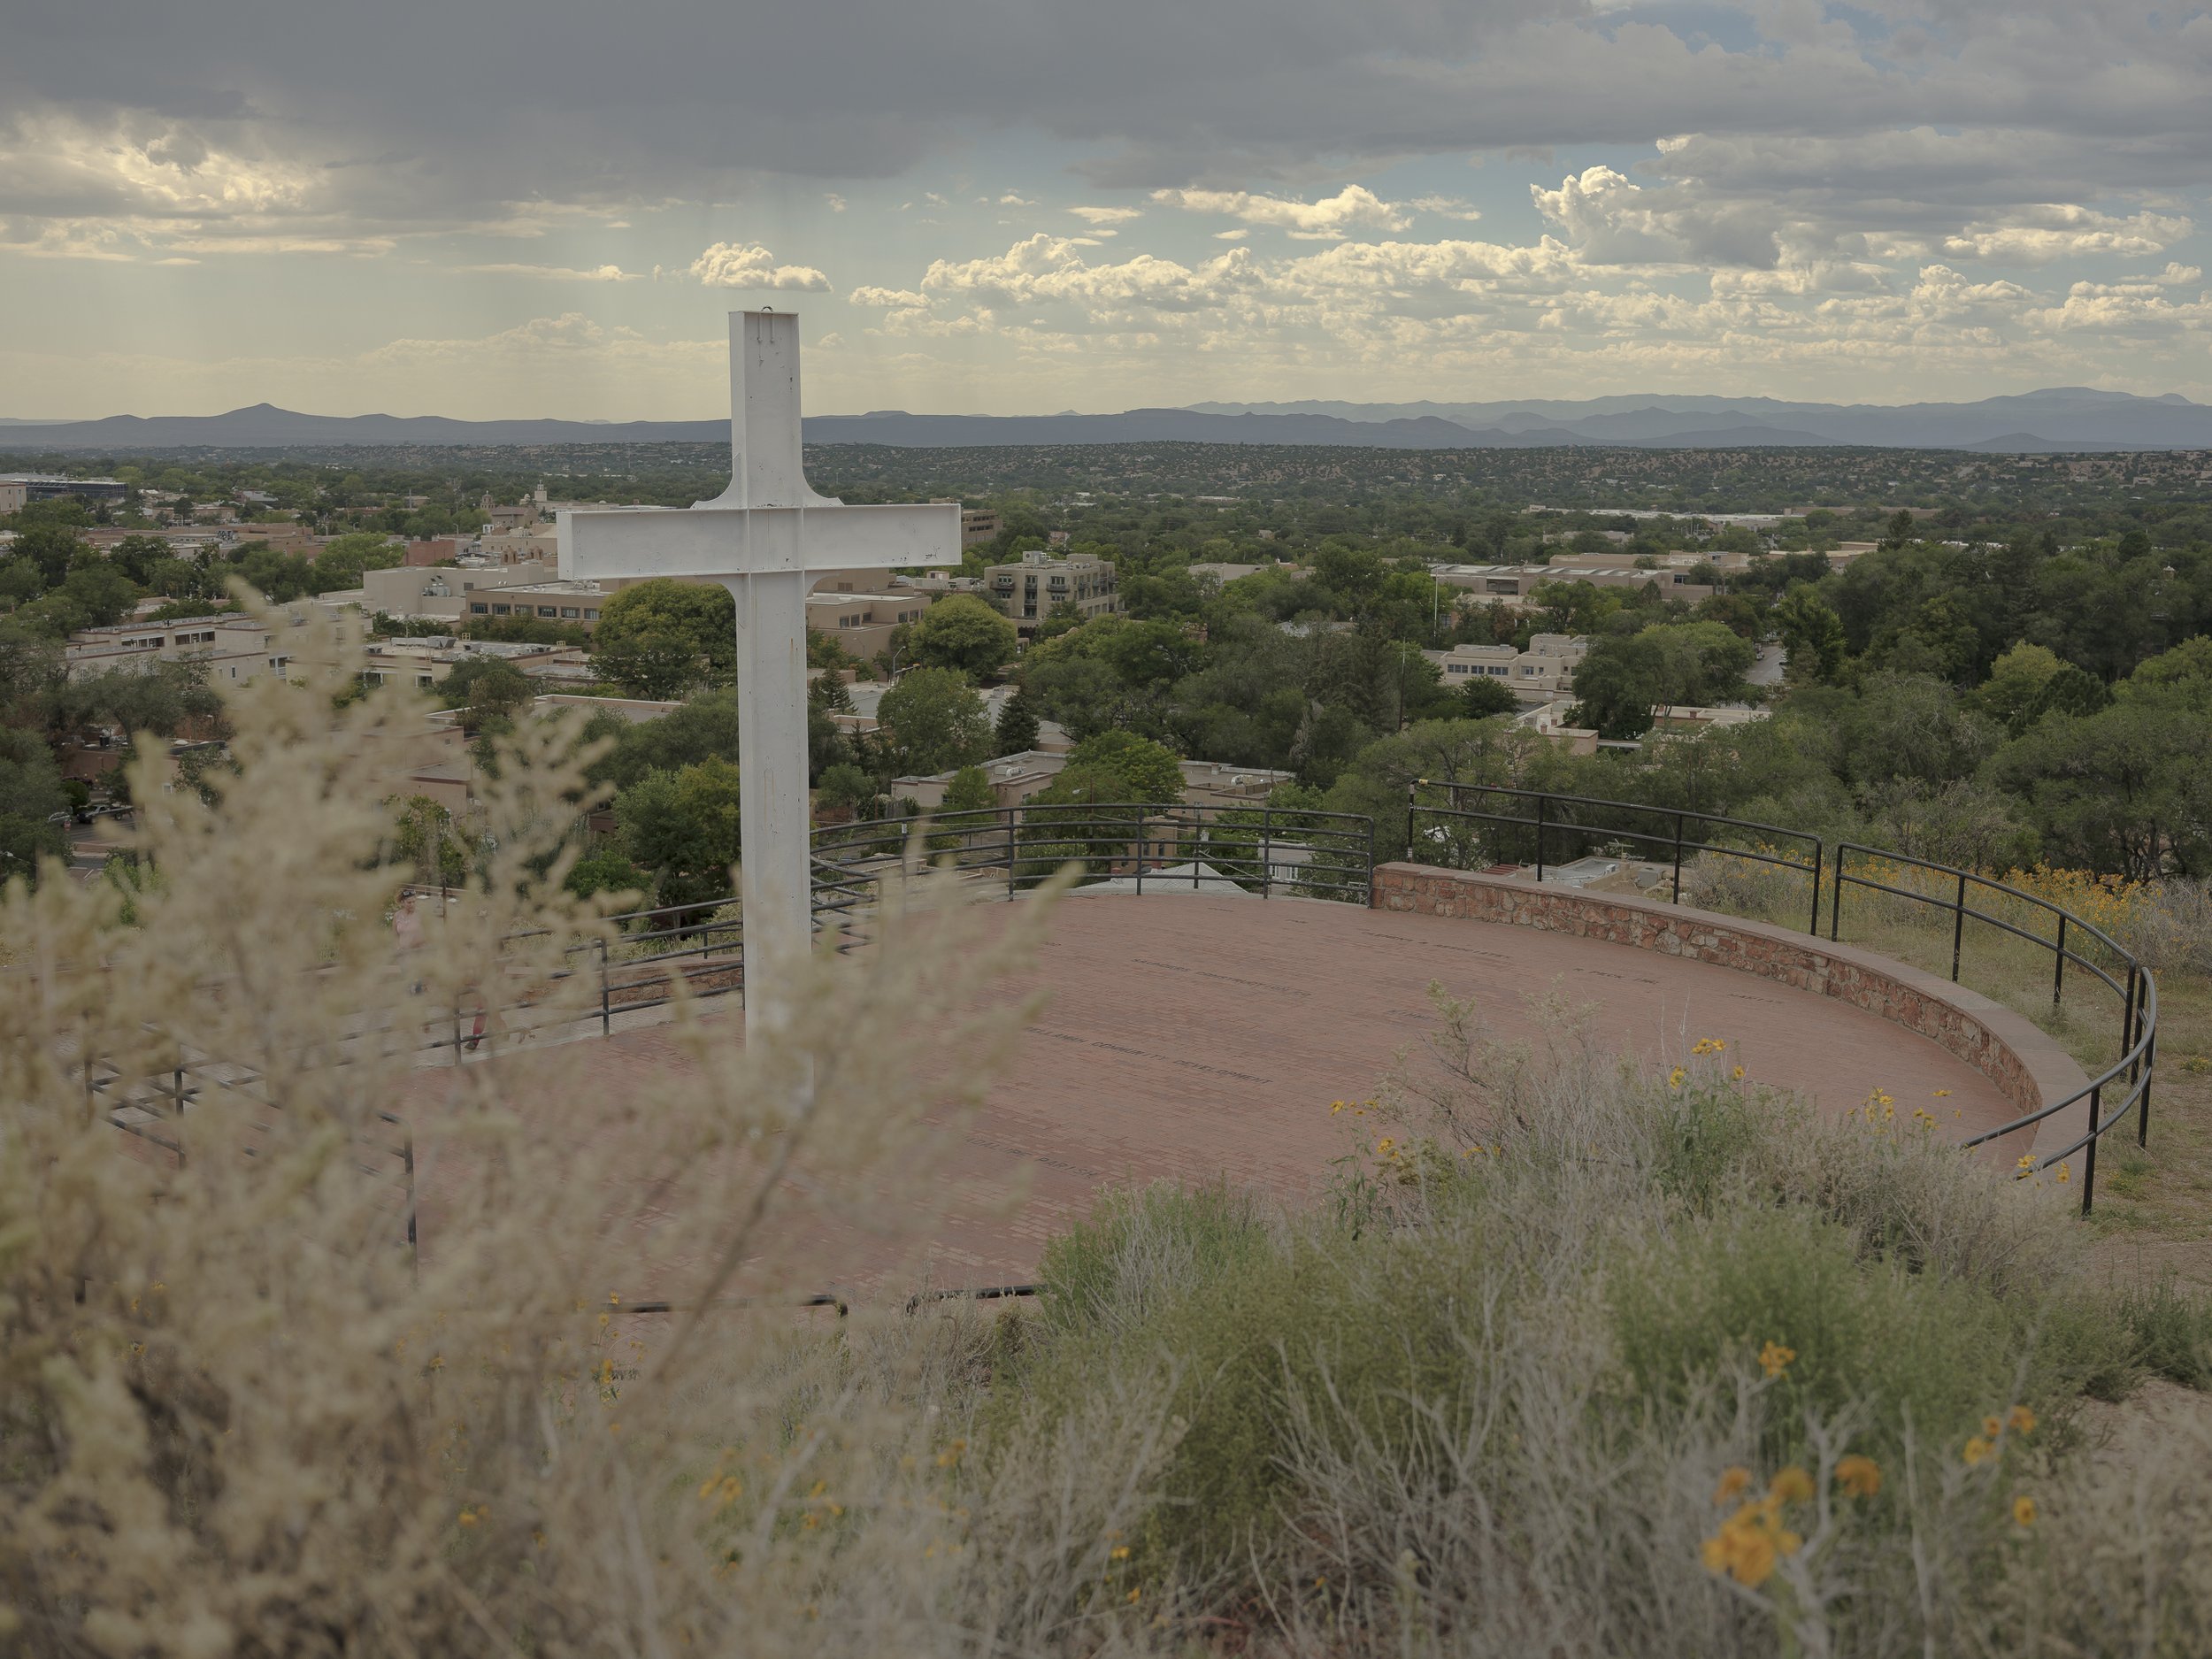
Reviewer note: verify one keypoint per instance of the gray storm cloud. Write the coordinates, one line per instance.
(420, 111)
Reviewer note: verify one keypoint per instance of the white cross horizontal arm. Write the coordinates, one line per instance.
(715, 542)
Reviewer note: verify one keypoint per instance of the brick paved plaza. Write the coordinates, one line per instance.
(1192, 1037)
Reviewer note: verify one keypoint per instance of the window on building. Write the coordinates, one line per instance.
(479, 609)
(591, 615)
(568, 612)
(500, 610)
(549, 611)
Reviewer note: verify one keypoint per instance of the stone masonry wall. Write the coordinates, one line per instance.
(1959, 1020)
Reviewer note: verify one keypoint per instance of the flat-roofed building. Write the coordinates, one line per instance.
(862, 622)
(18, 490)
(231, 649)
(1028, 592)
(1544, 671)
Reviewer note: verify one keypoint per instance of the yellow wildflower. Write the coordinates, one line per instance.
(1860, 1476)
(1708, 1045)
(1943, 1093)
(1992, 1428)
(2063, 1173)
(1738, 1074)
(2020, 1420)
(1120, 1551)
(1133, 1595)
(1735, 1480)
(1791, 1485)
(2024, 1510)
(1976, 1450)
(1774, 1359)
(1675, 1077)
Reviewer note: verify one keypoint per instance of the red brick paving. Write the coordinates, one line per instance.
(1191, 1037)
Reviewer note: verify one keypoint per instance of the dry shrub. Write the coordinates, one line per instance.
(1483, 1403)
(239, 1416)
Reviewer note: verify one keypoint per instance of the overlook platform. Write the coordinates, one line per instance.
(1192, 1037)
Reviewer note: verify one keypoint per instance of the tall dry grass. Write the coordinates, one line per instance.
(238, 1415)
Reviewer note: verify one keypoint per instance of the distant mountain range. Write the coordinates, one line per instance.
(2061, 418)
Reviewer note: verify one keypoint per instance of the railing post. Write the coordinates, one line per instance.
(2089, 1152)
(1370, 864)
(407, 1156)
(1267, 852)
(1958, 927)
(1835, 903)
(606, 1009)
(2058, 970)
(1412, 790)
(1820, 850)
(1011, 885)
(2143, 1106)
(1539, 838)
(1140, 850)
(1677, 857)
(457, 1031)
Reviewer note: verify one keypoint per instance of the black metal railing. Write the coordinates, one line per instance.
(2137, 992)
(1530, 837)
(1445, 831)
(1165, 847)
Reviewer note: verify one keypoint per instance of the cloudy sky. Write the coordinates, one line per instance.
(543, 207)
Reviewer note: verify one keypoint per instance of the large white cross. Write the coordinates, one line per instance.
(768, 539)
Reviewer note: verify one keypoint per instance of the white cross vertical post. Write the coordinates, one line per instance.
(768, 539)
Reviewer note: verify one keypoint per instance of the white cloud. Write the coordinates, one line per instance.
(1445, 207)
(1010, 199)
(2055, 231)
(1097, 215)
(1045, 268)
(834, 202)
(554, 273)
(729, 264)
(1327, 219)
(903, 298)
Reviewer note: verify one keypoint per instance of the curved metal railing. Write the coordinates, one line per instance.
(1165, 846)
(1530, 839)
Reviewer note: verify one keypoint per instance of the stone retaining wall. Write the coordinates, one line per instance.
(2029, 1068)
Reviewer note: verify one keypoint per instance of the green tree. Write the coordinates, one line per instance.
(31, 791)
(683, 829)
(704, 727)
(2126, 791)
(606, 870)
(1017, 729)
(662, 637)
(845, 788)
(1145, 771)
(426, 841)
(491, 688)
(1483, 696)
(1812, 636)
(932, 721)
(1625, 677)
(2016, 682)
(963, 633)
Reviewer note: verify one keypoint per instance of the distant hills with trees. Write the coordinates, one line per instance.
(2057, 420)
